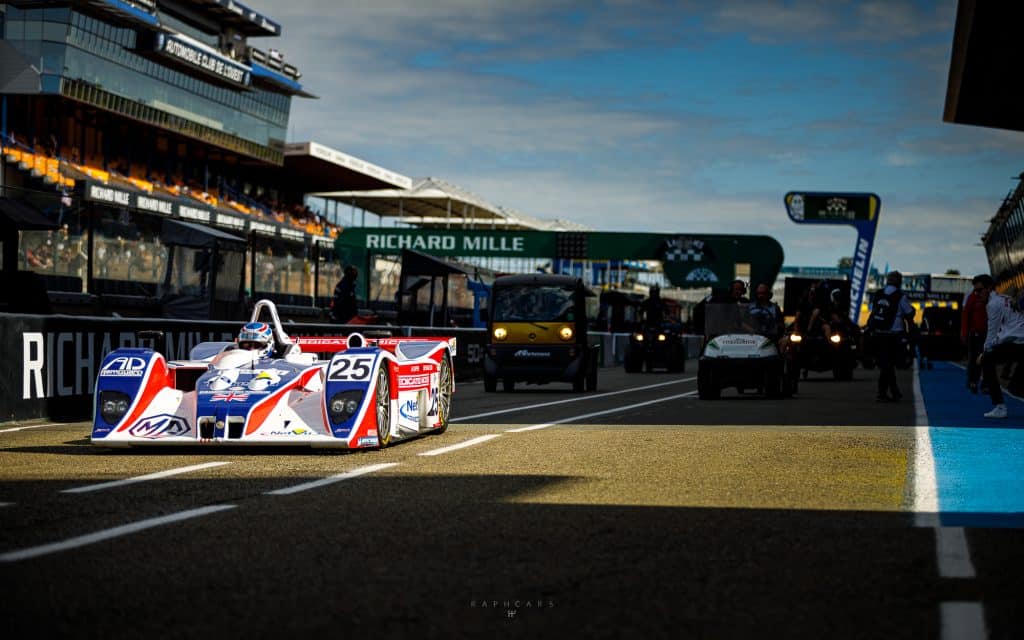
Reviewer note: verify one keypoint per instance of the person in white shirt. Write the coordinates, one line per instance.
(1004, 342)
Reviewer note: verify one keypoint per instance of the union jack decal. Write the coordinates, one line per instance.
(229, 397)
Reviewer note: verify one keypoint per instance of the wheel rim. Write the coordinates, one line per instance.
(444, 392)
(383, 402)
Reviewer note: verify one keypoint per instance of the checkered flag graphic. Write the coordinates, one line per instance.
(684, 250)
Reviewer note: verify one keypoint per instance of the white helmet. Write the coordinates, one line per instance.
(257, 336)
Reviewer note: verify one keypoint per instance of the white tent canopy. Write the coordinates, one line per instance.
(432, 202)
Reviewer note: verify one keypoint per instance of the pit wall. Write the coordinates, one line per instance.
(50, 362)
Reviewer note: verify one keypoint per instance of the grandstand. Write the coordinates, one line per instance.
(121, 114)
(1004, 242)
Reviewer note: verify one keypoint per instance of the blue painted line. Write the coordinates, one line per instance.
(979, 462)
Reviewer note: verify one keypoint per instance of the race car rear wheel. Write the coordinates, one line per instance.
(382, 399)
(445, 391)
(707, 385)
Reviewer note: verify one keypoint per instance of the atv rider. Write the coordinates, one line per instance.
(258, 338)
(654, 309)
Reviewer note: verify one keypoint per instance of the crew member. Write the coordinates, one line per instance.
(1004, 342)
(890, 312)
(343, 306)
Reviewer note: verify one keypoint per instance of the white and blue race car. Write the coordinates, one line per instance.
(369, 394)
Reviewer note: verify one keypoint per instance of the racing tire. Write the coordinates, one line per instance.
(633, 364)
(508, 385)
(707, 386)
(382, 402)
(676, 360)
(445, 393)
(591, 382)
(490, 384)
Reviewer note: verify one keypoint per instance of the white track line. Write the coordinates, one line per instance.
(32, 426)
(926, 491)
(150, 476)
(461, 445)
(355, 473)
(963, 620)
(107, 534)
(578, 399)
(952, 553)
(535, 427)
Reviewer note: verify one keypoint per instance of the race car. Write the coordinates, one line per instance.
(270, 389)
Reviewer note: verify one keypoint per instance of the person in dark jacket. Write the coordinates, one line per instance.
(343, 306)
(973, 329)
(891, 313)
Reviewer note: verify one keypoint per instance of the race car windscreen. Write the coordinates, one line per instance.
(729, 317)
(534, 304)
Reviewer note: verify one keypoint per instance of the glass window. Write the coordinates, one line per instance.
(15, 30)
(55, 31)
(59, 14)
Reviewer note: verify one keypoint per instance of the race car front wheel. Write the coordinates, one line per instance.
(445, 389)
(382, 398)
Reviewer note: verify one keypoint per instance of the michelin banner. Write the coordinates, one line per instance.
(858, 210)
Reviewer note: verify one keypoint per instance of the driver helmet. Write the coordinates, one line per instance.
(257, 336)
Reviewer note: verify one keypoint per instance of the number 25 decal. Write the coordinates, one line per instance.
(352, 369)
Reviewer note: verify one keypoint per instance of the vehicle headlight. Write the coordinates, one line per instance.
(661, 337)
(500, 333)
(565, 333)
(639, 337)
(343, 405)
(835, 338)
(113, 406)
(796, 337)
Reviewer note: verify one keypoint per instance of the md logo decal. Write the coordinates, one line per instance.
(161, 426)
(131, 367)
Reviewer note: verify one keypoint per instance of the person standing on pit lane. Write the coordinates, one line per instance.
(343, 306)
(1004, 342)
(973, 327)
(890, 312)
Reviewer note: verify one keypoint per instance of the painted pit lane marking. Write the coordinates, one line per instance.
(107, 534)
(555, 402)
(952, 554)
(31, 426)
(461, 445)
(1006, 392)
(149, 476)
(627, 407)
(361, 471)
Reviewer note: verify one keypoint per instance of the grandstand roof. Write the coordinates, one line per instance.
(239, 16)
(432, 202)
(313, 167)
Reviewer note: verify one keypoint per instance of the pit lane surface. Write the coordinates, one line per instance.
(638, 510)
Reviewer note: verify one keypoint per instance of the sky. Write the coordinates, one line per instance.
(688, 117)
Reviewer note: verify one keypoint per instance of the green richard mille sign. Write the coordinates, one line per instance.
(689, 260)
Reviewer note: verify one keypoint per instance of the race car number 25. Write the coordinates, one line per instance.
(351, 369)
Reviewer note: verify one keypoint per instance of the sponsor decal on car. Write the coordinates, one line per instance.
(368, 441)
(293, 432)
(159, 426)
(409, 410)
(125, 366)
(408, 382)
(526, 353)
(230, 396)
(223, 380)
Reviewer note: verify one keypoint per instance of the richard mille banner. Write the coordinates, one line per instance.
(858, 210)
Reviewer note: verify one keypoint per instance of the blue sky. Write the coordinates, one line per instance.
(664, 116)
